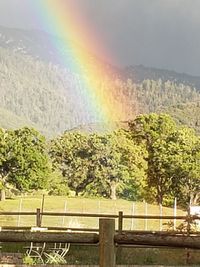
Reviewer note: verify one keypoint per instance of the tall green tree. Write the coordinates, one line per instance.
(184, 151)
(24, 162)
(153, 130)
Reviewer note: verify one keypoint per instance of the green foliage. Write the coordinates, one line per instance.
(71, 154)
(30, 159)
(58, 187)
(24, 162)
(153, 131)
(186, 114)
(173, 158)
(98, 163)
(28, 260)
(154, 160)
(184, 151)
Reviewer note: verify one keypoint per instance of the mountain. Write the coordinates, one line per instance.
(36, 89)
(44, 47)
(140, 73)
(34, 43)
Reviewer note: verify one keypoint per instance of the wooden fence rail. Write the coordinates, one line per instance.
(120, 217)
(97, 215)
(107, 239)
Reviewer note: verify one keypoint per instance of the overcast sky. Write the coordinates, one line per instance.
(158, 33)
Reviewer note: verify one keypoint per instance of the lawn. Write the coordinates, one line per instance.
(82, 205)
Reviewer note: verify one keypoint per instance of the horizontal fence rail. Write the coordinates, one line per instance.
(97, 215)
(49, 237)
(39, 215)
(131, 238)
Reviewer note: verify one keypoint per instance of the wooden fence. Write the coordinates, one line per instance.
(39, 215)
(107, 237)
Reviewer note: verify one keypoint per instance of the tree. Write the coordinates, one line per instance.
(24, 162)
(98, 164)
(153, 130)
(71, 154)
(184, 150)
(5, 160)
(119, 164)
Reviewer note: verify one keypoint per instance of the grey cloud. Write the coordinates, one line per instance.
(160, 33)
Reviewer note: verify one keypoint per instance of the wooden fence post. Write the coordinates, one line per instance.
(38, 218)
(107, 256)
(120, 222)
(189, 221)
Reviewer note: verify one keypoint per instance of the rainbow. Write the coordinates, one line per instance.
(63, 18)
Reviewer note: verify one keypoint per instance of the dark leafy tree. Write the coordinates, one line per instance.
(24, 162)
(153, 130)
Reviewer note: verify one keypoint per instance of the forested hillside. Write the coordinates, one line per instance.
(155, 94)
(27, 90)
(36, 91)
(188, 114)
(45, 95)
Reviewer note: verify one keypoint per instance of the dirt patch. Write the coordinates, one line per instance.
(11, 258)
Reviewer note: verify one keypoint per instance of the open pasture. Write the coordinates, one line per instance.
(83, 205)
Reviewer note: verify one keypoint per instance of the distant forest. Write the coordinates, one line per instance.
(41, 95)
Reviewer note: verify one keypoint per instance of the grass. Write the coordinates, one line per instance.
(81, 205)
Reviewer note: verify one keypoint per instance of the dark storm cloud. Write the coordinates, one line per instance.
(160, 33)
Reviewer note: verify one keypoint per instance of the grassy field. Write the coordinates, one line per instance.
(82, 205)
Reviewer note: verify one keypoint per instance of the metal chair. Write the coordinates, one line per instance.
(57, 253)
(36, 250)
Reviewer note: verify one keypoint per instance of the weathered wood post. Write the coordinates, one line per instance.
(120, 229)
(189, 221)
(107, 256)
(38, 218)
(120, 222)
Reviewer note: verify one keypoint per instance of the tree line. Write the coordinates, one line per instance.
(153, 159)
